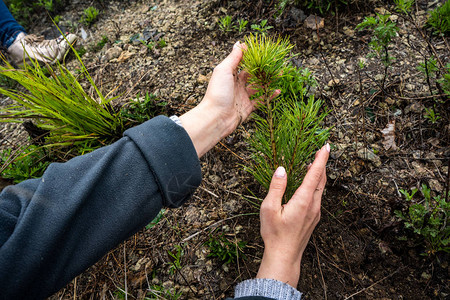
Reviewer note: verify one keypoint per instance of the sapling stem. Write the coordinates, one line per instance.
(287, 129)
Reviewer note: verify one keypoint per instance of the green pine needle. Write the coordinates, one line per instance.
(288, 129)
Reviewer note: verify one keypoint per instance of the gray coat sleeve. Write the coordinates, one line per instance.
(266, 288)
(53, 228)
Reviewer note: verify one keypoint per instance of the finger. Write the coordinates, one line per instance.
(323, 181)
(243, 77)
(314, 175)
(234, 58)
(276, 189)
(317, 197)
(275, 94)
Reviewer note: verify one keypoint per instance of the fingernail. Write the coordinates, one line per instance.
(236, 45)
(327, 146)
(280, 172)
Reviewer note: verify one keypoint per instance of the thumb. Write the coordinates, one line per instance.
(277, 188)
(234, 58)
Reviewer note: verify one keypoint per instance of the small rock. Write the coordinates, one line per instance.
(297, 15)
(368, 154)
(379, 77)
(214, 178)
(112, 53)
(435, 185)
(419, 168)
(334, 82)
(393, 18)
(348, 31)
(144, 9)
(202, 79)
(314, 22)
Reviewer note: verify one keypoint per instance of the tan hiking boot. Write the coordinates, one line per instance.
(31, 47)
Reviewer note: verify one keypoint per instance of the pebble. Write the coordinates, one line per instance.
(368, 154)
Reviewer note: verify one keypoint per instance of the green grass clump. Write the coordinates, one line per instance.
(140, 110)
(288, 129)
(20, 166)
(24, 11)
(89, 16)
(225, 250)
(440, 18)
(428, 217)
(56, 102)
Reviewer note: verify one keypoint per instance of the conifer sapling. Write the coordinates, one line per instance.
(288, 130)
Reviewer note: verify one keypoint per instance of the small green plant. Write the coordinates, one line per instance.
(242, 25)
(89, 16)
(81, 50)
(141, 110)
(407, 194)
(156, 220)
(149, 44)
(440, 18)
(225, 250)
(159, 292)
(48, 5)
(288, 127)
(322, 6)
(226, 23)
(429, 67)
(25, 11)
(383, 31)
(445, 80)
(57, 19)
(262, 27)
(403, 6)
(431, 115)
(429, 219)
(162, 43)
(99, 46)
(30, 163)
(175, 263)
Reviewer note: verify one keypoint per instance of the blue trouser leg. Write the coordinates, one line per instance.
(9, 28)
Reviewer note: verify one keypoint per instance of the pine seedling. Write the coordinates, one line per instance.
(288, 128)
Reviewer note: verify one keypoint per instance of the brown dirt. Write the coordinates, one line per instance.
(358, 249)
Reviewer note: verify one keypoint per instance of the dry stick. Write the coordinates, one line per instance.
(75, 289)
(222, 144)
(324, 286)
(427, 41)
(448, 181)
(215, 224)
(446, 43)
(328, 68)
(345, 253)
(125, 271)
(364, 289)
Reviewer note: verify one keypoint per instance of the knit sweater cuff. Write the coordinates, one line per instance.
(268, 288)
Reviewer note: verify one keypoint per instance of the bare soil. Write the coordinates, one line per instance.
(359, 250)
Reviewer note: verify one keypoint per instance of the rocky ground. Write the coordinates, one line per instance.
(359, 249)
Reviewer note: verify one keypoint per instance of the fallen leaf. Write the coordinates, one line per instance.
(314, 22)
(389, 136)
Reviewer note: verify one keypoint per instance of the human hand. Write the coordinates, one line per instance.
(225, 105)
(228, 93)
(286, 229)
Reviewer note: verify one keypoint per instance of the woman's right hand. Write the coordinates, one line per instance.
(286, 229)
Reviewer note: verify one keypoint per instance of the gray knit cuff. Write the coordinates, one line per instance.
(268, 288)
(176, 120)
